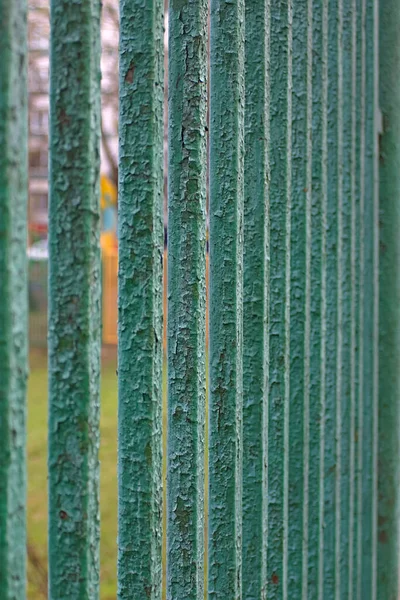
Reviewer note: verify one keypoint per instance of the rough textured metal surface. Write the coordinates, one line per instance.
(140, 299)
(299, 297)
(279, 296)
(226, 280)
(368, 304)
(346, 342)
(13, 294)
(74, 303)
(389, 302)
(186, 297)
(317, 332)
(255, 301)
(331, 541)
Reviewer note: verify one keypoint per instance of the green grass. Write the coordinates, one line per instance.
(37, 476)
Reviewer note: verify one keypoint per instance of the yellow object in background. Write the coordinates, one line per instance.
(108, 211)
(109, 248)
(110, 294)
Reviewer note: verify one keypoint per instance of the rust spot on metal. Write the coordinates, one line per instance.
(383, 538)
(130, 73)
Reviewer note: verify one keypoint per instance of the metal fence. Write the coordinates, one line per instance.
(301, 452)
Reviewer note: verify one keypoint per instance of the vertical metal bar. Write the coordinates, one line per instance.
(279, 297)
(299, 300)
(356, 267)
(351, 15)
(187, 154)
(226, 261)
(360, 318)
(369, 311)
(389, 301)
(372, 286)
(319, 160)
(74, 303)
(140, 299)
(255, 300)
(345, 391)
(13, 295)
(331, 462)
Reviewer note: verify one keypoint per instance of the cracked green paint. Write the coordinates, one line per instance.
(226, 282)
(368, 378)
(299, 298)
(389, 296)
(331, 539)
(346, 343)
(279, 296)
(255, 301)
(313, 530)
(13, 295)
(74, 303)
(140, 336)
(186, 298)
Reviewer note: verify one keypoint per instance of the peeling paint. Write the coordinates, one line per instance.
(13, 295)
(74, 303)
(140, 231)
(186, 298)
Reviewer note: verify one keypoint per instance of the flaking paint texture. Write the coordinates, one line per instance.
(226, 287)
(279, 296)
(13, 295)
(389, 296)
(74, 303)
(319, 282)
(186, 297)
(255, 301)
(140, 339)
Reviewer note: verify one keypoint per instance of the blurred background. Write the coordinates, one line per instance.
(39, 30)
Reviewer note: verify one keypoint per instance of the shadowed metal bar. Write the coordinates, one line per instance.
(389, 300)
(13, 295)
(140, 339)
(74, 302)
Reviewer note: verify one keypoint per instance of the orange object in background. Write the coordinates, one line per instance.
(109, 249)
(110, 294)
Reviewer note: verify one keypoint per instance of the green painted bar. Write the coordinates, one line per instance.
(255, 300)
(345, 389)
(317, 348)
(389, 299)
(13, 295)
(74, 302)
(357, 329)
(140, 336)
(187, 154)
(331, 541)
(370, 309)
(226, 282)
(299, 298)
(279, 296)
